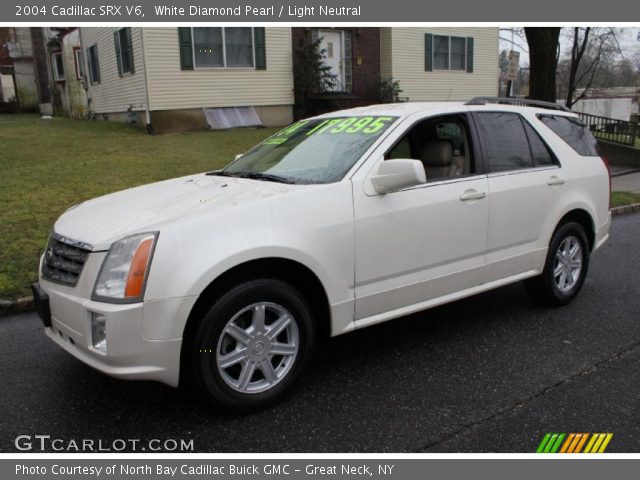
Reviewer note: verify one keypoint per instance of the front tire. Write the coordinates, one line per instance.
(252, 344)
(565, 268)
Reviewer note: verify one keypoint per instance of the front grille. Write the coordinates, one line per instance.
(64, 260)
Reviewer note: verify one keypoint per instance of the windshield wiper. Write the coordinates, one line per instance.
(222, 173)
(254, 176)
(266, 176)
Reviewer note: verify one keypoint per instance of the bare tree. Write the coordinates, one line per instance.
(626, 74)
(593, 53)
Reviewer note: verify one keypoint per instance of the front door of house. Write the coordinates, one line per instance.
(331, 45)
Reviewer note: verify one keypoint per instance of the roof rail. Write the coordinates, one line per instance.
(517, 101)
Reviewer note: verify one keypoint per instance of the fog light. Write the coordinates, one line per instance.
(98, 332)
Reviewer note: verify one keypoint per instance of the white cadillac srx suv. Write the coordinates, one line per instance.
(229, 278)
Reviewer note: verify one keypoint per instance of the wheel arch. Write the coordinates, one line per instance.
(287, 270)
(582, 217)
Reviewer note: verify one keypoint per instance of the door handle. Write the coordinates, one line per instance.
(472, 195)
(553, 180)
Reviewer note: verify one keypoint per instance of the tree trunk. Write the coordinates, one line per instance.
(543, 56)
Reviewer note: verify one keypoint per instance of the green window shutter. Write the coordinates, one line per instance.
(261, 48)
(428, 52)
(95, 48)
(470, 54)
(186, 48)
(90, 70)
(130, 52)
(116, 42)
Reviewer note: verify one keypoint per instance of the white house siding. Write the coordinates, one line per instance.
(114, 94)
(407, 64)
(171, 88)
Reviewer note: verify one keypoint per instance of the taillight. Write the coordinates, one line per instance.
(606, 164)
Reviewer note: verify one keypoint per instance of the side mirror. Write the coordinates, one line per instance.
(396, 174)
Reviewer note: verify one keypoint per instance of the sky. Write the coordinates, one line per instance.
(629, 40)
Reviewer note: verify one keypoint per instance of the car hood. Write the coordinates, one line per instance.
(103, 220)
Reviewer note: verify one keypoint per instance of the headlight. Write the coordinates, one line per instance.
(123, 275)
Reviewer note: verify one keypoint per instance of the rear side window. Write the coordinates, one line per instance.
(540, 152)
(505, 141)
(573, 132)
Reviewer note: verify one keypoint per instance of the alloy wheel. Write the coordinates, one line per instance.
(257, 347)
(567, 264)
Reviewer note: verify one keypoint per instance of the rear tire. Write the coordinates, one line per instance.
(251, 345)
(565, 268)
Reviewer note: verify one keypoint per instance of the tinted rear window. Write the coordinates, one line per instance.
(573, 132)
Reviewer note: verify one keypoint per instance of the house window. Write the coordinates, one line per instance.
(440, 52)
(228, 47)
(124, 50)
(58, 66)
(77, 56)
(93, 64)
(449, 53)
(458, 53)
(207, 43)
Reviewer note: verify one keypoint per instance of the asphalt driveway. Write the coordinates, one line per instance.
(490, 373)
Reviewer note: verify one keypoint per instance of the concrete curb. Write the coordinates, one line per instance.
(625, 209)
(25, 304)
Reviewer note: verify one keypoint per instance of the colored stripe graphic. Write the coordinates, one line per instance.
(599, 443)
(556, 445)
(566, 445)
(604, 445)
(590, 444)
(543, 443)
(578, 448)
(574, 443)
(550, 443)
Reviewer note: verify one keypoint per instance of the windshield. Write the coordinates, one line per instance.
(311, 151)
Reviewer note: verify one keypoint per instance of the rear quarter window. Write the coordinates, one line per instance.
(573, 132)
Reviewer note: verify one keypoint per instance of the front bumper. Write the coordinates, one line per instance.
(129, 355)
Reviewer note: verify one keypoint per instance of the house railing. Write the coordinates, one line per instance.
(611, 129)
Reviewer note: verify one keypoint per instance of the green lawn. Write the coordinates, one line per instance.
(48, 165)
(618, 199)
(614, 138)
